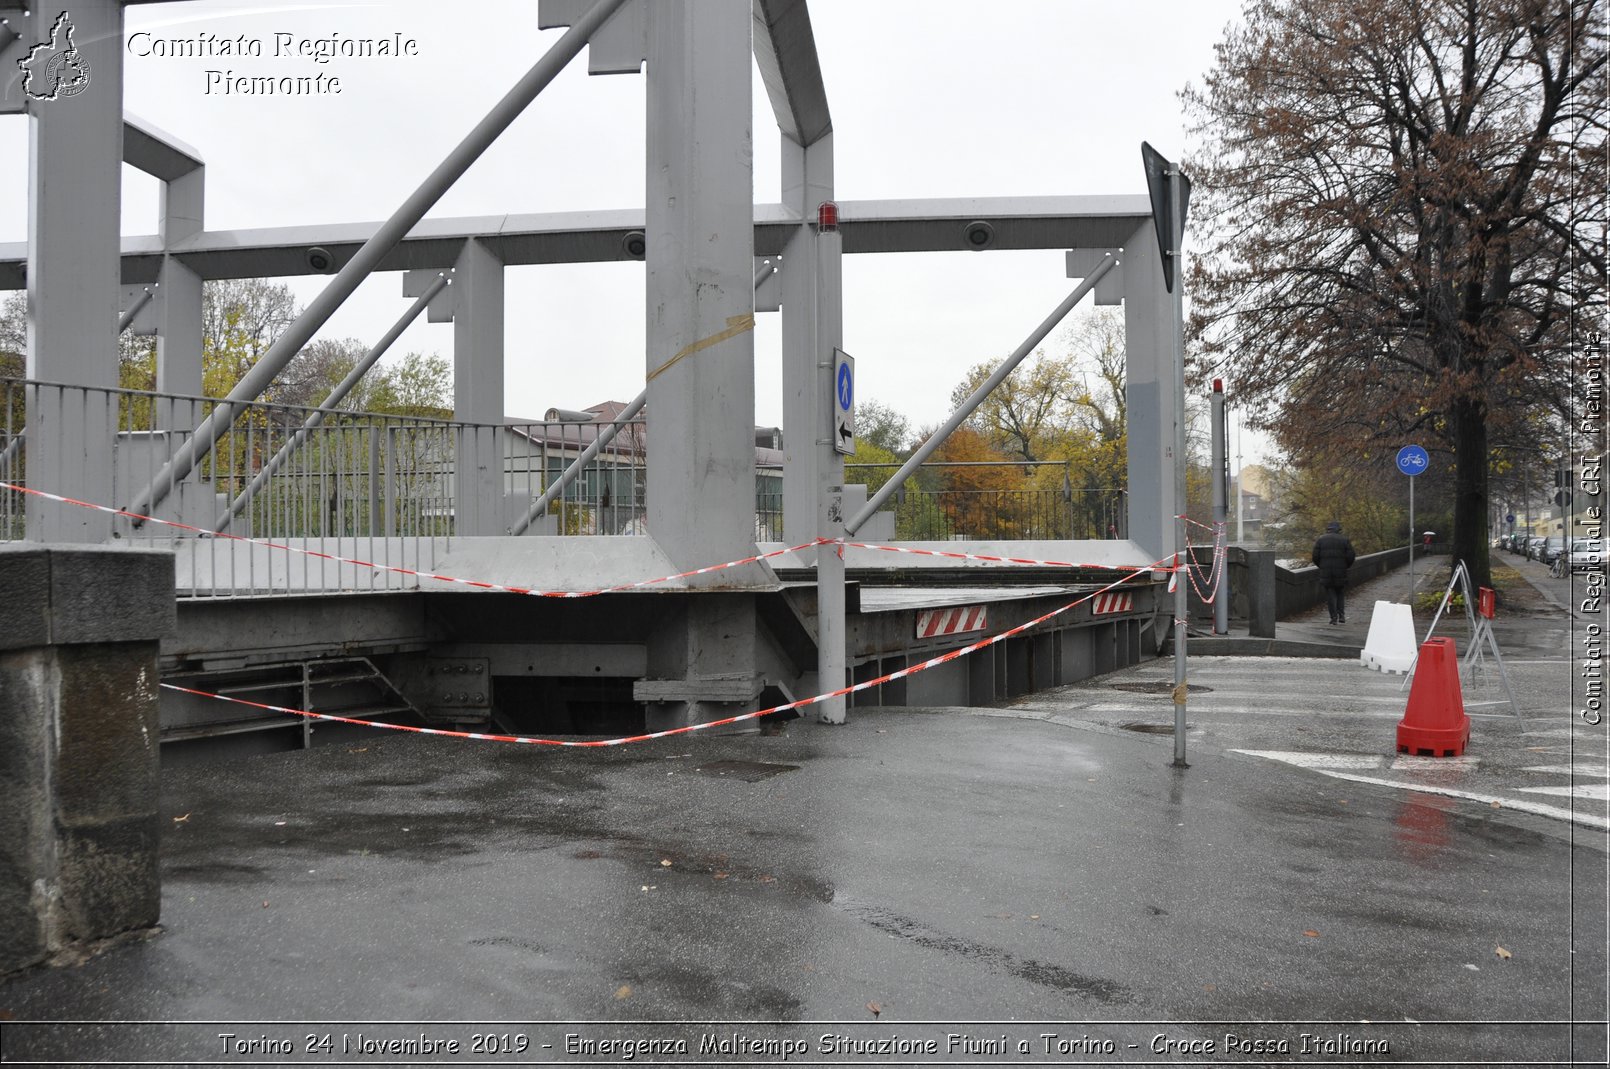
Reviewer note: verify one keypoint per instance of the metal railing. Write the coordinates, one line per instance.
(379, 487)
(926, 509)
(1007, 515)
(376, 486)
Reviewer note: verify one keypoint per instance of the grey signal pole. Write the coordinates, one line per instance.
(1176, 187)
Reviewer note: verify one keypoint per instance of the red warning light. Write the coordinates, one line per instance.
(1218, 385)
(827, 216)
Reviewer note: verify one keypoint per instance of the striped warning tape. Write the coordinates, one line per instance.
(1134, 572)
(525, 740)
(359, 562)
(954, 555)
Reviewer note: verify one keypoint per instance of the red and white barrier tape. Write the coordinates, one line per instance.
(1220, 559)
(932, 662)
(397, 569)
(1134, 572)
(914, 551)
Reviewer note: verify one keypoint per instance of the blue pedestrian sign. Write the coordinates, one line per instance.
(1412, 460)
(843, 402)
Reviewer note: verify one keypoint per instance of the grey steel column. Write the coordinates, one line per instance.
(75, 180)
(813, 471)
(700, 281)
(1176, 355)
(700, 345)
(478, 390)
(179, 341)
(1221, 512)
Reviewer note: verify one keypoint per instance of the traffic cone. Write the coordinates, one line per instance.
(1435, 724)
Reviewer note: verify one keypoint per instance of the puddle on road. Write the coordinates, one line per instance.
(748, 771)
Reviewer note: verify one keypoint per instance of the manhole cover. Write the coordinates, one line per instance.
(1160, 686)
(748, 771)
(1152, 729)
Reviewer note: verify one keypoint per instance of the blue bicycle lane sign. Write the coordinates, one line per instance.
(1412, 460)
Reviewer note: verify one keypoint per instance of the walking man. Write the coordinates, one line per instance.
(1333, 555)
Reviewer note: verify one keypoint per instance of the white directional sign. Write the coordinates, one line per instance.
(843, 402)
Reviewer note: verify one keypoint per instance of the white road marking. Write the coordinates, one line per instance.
(1598, 771)
(1520, 804)
(1406, 763)
(1319, 760)
(1597, 791)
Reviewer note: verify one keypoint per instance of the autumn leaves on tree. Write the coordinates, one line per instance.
(1400, 207)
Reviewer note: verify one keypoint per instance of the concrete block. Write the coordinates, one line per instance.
(107, 876)
(106, 763)
(1262, 594)
(25, 608)
(79, 827)
(111, 595)
(25, 821)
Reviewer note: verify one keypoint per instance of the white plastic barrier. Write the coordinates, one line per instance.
(1390, 646)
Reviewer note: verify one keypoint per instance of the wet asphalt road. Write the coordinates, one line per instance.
(1020, 865)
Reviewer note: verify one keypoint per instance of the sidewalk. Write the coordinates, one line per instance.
(1529, 618)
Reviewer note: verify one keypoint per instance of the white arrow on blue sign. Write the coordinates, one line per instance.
(844, 402)
(1412, 460)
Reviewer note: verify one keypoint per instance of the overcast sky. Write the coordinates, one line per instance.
(929, 99)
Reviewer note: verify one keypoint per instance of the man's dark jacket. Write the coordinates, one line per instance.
(1333, 555)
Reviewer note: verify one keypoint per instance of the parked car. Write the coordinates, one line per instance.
(1534, 548)
(1549, 548)
(1586, 554)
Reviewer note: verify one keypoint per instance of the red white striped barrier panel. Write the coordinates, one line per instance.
(931, 623)
(1112, 601)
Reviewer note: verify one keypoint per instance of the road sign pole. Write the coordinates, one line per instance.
(1182, 604)
(1411, 543)
(1411, 461)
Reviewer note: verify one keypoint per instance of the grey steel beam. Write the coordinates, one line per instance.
(937, 225)
(335, 397)
(956, 419)
(606, 434)
(157, 152)
(785, 54)
(568, 476)
(367, 258)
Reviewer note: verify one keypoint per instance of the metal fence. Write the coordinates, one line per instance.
(376, 486)
(384, 488)
(926, 509)
(1007, 515)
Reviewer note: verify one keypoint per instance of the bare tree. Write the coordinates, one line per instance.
(1403, 202)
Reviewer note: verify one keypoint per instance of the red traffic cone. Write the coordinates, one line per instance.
(1435, 724)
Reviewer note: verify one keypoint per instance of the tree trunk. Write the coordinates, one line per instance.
(1470, 490)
